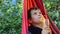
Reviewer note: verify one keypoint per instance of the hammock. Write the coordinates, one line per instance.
(35, 3)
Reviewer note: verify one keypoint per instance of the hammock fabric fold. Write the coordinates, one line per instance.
(35, 3)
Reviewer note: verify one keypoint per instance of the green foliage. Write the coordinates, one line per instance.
(53, 10)
(10, 17)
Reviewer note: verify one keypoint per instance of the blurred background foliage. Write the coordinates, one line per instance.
(53, 10)
(11, 15)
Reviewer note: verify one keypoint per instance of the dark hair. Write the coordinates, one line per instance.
(29, 11)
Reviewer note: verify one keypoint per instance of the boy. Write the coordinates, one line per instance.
(37, 22)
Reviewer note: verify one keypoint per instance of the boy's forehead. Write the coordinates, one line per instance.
(38, 10)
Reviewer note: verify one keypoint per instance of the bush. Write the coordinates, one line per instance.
(10, 17)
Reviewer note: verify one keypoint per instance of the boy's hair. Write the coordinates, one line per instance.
(29, 12)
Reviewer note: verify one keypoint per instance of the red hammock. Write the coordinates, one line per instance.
(35, 3)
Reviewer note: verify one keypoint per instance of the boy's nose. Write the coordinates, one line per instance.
(38, 14)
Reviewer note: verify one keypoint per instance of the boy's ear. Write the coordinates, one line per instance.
(30, 21)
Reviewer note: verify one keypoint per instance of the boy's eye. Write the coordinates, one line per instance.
(35, 13)
(40, 13)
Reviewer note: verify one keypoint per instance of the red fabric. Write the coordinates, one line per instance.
(34, 3)
(24, 18)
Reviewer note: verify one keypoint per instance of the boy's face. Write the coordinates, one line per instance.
(35, 16)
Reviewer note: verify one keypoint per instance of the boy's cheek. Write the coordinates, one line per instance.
(34, 17)
(36, 21)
